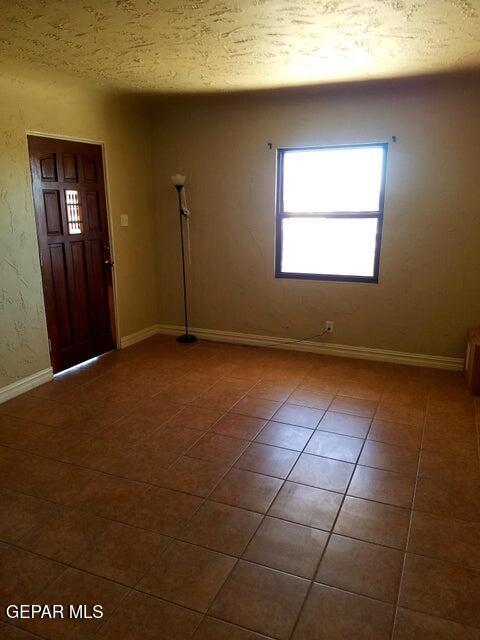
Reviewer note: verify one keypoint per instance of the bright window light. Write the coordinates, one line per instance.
(329, 212)
(332, 180)
(329, 246)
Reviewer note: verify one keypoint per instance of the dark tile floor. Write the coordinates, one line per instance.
(222, 492)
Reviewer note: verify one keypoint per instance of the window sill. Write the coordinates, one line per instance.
(326, 277)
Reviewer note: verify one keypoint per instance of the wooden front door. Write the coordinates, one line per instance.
(70, 208)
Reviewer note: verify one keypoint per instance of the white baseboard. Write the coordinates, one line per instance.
(25, 384)
(325, 348)
(133, 338)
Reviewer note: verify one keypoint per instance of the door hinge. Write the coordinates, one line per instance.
(49, 344)
(41, 259)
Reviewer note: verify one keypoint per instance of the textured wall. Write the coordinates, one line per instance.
(429, 289)
(211, 45)
(64, 109)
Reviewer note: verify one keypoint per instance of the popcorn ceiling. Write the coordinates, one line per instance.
(214, 45)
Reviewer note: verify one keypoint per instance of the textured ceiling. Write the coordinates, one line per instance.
(216, 45)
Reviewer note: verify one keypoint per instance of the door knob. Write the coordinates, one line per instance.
(108, 263)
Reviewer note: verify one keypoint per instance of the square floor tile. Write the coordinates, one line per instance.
(310, 398)
(323, 473)
(122, 553)
(248, 490)
(163, 511)
(287, 546)
(361, 567)
(412, 625)
(319, 384)
(271, 461)
(271, 391)
(192, 475)
(181, 392)
(238, 426)
(157, 409)
(382, 486)
(306, 505)
(373, 522)
(287, 436)
(64, 535)
(257, 407)
(368, 390)
(331, 614)
(141, 462)
(403, 413)
(454, 437)
(261, 599)
(445, 539)
(441, 589)
(131, 430)
(171, 440)
(188, 575)
(232, 385)
(97, 453)
(109, 496)
(215, 400)
(437, 464)
(222, 528)
(450, 496)
(389, 457)
(354, 406)
(25, 575)
(345, 424)
(299, 415)
(50, 480)
(194, 418)
(403, 435)
(20, 514)
(332, 445)
(218, 448)
(414, 394)
(150, 617)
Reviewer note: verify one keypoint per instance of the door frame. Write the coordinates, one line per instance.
(102, 144)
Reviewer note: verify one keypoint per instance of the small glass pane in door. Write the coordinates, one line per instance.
(74, 211)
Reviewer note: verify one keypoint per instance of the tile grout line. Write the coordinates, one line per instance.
(110, 520)
(254, 532)
(264, 516)
(312, 582)
(407, 540)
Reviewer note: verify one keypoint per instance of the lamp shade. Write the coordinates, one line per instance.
(178, 180)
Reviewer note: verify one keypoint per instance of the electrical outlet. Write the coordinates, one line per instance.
(329, 326)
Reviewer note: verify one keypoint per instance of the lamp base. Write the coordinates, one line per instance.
(187, 338)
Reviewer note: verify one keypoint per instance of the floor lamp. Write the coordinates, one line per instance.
(179, 184)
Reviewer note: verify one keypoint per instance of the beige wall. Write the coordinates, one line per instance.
(429, 289)
(430, 265)
(63, 108)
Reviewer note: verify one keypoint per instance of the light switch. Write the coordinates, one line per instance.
(124, 221)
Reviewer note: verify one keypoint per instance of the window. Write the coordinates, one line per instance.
(74, 212)
(330, 212)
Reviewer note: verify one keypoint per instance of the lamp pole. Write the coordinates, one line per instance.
(179, 184)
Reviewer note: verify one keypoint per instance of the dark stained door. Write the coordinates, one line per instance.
(70, 207)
